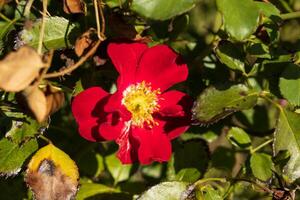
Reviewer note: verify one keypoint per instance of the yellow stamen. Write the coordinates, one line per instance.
(141, 101)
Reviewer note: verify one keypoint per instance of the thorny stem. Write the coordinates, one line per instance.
(40, 46)
(76, 65)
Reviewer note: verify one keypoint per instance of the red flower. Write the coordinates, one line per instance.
(142, 117)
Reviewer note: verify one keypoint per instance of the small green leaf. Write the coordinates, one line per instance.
(57, 32)
(12, 156)
(5, 27)
(214, 104)
(261, 166)
(165, 191)
(118, 171)
(188, 175)
(211, 194)
(87, 190)
(241, 17)
(162, 10)
(239, 137)
(290, 84)
(231, 56)
(287, 137)
(115, 3)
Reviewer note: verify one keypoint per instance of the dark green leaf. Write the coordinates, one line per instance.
(240, 17)
(57, 32)
(239, 137)
(261, 166)
(161, 10)
(214, 104)
(231, 56)
(290, 84)
(287, 137)
(192, 155)
(165, 191)
(12, 156)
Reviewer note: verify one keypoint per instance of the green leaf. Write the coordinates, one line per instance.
(287, 137)
(261, 165)
(12, 156)
(188, 175)
(231, 56)
(87, 190)
(115, 3)
(91, 163)
(214, 104)
(161, 10)
(118, 171)
(241, 17)
(5, 27)
(290, 84)
(267, 9)
(211, 193)
(190, 156)
(57, 32)
(259, 50)
(165, 191)
(24, 130)
(239, 137)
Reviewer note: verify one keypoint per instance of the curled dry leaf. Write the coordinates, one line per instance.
(85, 41)
(55, 99)
(52, 175)
(34, 100)
(18, 69)
(74, 6)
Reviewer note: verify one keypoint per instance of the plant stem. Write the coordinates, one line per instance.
(76, 65)
(97, 18)
(40, 46)
(5, 18)
(201, 181)
(262, 145)
(45, 139)
(291, 15)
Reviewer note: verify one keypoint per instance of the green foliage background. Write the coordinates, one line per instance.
(244, 75)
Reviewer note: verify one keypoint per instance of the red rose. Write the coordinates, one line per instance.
(142, 117)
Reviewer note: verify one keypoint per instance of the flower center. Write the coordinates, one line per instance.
(141, 101)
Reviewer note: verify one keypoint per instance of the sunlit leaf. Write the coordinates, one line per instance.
(261, 166)
(239, 137)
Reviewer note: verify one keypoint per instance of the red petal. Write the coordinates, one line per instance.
(112, 127)
(86, 114)
(153, 145)
(125, 57)
(162, 67)
(174, 116)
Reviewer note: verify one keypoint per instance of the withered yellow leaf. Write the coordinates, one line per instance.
(18, 69)
(52, 175)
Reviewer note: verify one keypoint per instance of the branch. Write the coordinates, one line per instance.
(76, 65)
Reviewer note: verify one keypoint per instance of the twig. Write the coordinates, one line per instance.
(97, 18)
(291, 15)
(76, 65)
(262, 145)
(47, 66)
(27, 8)
(4, 17)
(102, 33)
(40, 46)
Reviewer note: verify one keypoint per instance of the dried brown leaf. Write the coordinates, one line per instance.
(18, 69)
(85, 41)
(34, 100)
(74, 6)
(55, 99)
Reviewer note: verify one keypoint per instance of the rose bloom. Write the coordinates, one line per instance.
(141, 116)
